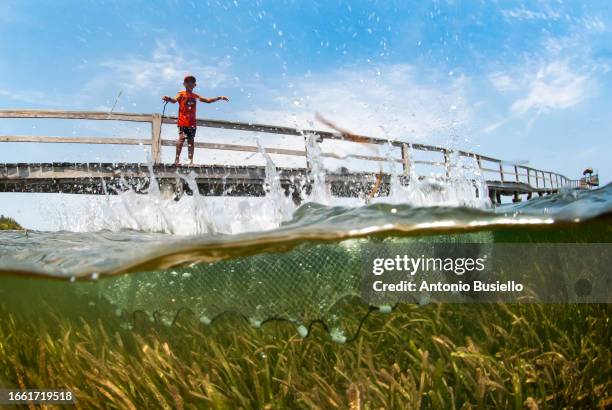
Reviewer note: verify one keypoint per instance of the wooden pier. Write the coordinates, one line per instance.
(501, 177)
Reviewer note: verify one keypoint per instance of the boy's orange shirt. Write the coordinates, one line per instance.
(187, 108)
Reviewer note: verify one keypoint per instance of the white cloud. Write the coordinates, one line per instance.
(166, 67)
(562, 75)
(503, 82)
(594, 24)
(525, 14)
(392, 101)
(554, 86)
(540, 88)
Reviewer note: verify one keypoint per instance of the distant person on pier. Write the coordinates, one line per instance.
(187, 125)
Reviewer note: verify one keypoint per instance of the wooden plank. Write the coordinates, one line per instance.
(241, 148)
(356, 156)
(428, 162)
(275, 129)
(85, 178)
(277, 151)
(406, 159)
(156, 123)
(74, 140)
(75, 115)
(496, 171)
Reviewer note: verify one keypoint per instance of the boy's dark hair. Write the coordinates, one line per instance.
(189, 78)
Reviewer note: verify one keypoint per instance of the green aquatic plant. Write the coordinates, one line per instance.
(7, 223)
(437, 356)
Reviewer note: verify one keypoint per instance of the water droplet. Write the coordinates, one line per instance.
(385, 309)
(126, 326)
(337, 335)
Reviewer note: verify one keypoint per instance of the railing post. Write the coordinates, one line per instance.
(306, 154)
(156, 123)
(550, 180)
(501, 171)
(528, 175)
(406, 159)
(447, 163)
(516, 173)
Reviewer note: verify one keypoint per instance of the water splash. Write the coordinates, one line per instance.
(276, 203)
(161, 210)
(320, 190)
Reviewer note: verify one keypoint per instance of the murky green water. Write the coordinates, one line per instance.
(302, 272)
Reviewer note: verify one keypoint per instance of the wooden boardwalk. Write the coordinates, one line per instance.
(100, 178)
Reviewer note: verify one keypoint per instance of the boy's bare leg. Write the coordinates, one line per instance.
(179, 147)
(190, 149)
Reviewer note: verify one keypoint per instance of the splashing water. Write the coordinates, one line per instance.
(159, 211)
(320, 190)
(276, 204)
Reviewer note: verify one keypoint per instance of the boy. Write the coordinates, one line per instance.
(187, 115)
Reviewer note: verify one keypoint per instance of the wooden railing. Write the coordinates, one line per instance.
(493, 169)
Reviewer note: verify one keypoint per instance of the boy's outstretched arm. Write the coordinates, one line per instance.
(170, 99)
(212, 100)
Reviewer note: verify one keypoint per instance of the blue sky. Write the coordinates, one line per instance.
(516, 80)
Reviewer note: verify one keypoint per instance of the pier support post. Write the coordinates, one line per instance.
(492, 196)
(517, 197)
